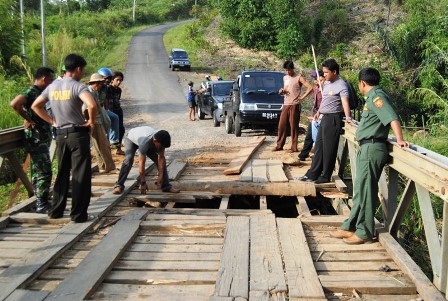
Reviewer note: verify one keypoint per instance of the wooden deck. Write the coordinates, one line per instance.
(161, 252)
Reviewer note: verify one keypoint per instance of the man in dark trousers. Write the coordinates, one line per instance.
(317, 99)
(377, 118)
(150, 143)
(37, 137)
(334, 106)
(66, 97)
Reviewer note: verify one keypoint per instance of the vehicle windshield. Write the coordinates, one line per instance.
(222, 89)
(180, 55)
(266, 83)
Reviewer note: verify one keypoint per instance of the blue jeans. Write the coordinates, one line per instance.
(114, 133)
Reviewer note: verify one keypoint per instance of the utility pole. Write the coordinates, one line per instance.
(42, 18)
(23, 30)
(133, 12)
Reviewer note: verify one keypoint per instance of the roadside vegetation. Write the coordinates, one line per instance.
(405, 39)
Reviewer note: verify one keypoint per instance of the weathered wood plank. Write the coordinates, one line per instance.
(169, 256)
(39, 258)
(83, 280)
(175, 169)
(302, 207)
(266, 267)
(179, 240)
(165, 198)
(237, 164)
(263, 202)
(350, 256)
(224, 203)
(259, 171)
(276, 172)
(153, 292)
(424, 287)
(341, 247)
(358, 266)
(167, 265)
(302, 277)
(208, 212)
(175, 248)
(246, 174)
(27, 295)
(160, 277)
(368, 284)
(233, 274)
(329, 220)
(185, 217)
(246, 188)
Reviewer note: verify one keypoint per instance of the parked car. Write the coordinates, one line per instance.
(255, 102)
(210, 102)
(179, 59)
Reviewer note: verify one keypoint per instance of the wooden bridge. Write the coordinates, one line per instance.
(241, 229)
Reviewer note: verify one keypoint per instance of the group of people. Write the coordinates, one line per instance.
(331, 108)
(77, 112)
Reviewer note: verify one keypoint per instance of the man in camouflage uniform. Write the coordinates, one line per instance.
(377, 118)
(37, 137)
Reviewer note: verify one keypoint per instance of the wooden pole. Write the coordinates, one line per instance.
(317, 70)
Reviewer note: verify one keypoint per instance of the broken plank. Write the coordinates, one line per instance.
(233, 274)
(175, 169)
(276, 172)
(266, 267)
(259, 171)
(83, 280)
(302, 277)
(237, 164)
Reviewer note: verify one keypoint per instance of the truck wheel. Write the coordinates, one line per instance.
(172, 67)
(200, 113)
(238, 126)
(216, 122)
(229, 124)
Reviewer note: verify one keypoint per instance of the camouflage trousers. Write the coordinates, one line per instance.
(41, 172)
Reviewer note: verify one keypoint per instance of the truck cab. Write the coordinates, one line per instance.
(255, 101)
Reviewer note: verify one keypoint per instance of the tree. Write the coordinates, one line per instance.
(10, 33)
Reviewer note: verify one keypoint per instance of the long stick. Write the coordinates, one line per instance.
(317, 70)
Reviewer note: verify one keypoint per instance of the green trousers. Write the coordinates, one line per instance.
(370, 162)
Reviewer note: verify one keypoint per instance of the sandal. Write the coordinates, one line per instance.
(119, 152)
(117, 190)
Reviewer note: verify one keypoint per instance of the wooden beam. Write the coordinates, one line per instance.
(302, 207)
(425, 288)
(237, 164)
(17, 168)
(224, 203)
(84, 279)
(244, 188)
(276, 172)
(405, 202)
(263, 202)
(233, 274)
(260, 171)
(175, 169)
(303, 281)
(246, 175)
(27, 295)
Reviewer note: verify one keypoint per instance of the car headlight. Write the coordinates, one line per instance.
(220, 105)
(248, 107)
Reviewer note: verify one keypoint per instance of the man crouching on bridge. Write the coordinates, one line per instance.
(377, 118)
(151, 143)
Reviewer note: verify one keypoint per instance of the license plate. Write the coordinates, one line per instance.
(270, 115)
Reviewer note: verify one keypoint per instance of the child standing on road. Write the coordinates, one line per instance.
(191, 101)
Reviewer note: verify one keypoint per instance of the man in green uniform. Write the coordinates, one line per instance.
(378, 117)
(37, 137)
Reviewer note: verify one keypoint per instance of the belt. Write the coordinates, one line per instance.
(73, 129)
(372, 140)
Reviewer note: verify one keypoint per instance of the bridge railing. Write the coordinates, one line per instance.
(426, 173)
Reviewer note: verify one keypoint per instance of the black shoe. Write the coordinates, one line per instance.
(321, 180)
(88, 219)
(305, 179)
(42, 206)
(302, 159)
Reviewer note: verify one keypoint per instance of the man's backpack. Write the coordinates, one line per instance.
(353, 98)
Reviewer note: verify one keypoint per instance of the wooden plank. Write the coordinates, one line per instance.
(169, 256)
(368, 284)
(302, 207)
(165, 198)
(233, 274)
(341, 247)
(208, 212)
(167, 265)
(266, 267)
(275, 171)
(40, 258)
(182, 223)
(243, 156)
(37, 218)
(83, 280)
(247, 188)
(175, 248)
(350, 256)
(175, 169)
(328, 220)
(22, 206)
(179, 240)
(246, 174)
(340, 185)
(27, 295)
(160, 277)
(358, 266)
(153, 292)
(224, 203)
(260, 171)
(424, 287)
(300, 272)
(186, 217)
